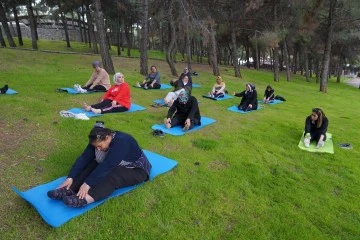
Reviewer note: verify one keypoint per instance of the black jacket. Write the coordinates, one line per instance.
(183, 111)
(248, 98)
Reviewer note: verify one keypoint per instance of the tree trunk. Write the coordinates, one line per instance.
(306, 58)
(287, 62)
(172, 38)
(295, 60)
(234, 53)
(118, 36)
(92, 37)
(144, 38)
(32, 25)
(104, 47)
(340, 69)
(327, 50)
(128, 37)
(80, 27)
(213, 56)
(18, 28)
(5, 26)
(276, 48)
(2, 40)
(65, 26)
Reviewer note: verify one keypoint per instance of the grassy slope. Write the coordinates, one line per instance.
(253, 182)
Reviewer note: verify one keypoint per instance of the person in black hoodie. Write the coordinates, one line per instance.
(315, 128)
(184, 112)
(268, 94)
(249, 99)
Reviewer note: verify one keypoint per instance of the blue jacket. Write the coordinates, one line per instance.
(124, 151)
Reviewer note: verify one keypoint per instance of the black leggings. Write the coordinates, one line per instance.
(148, 85)
(117, 178)
(181, 121)
(99, 88)
(106, 107)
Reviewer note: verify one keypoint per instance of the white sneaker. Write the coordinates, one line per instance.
(81, 116)
(307, 142)
(67, 114)
(320, 144)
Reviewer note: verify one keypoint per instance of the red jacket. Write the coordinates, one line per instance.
(119, 93)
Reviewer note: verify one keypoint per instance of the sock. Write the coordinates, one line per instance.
(74, 201)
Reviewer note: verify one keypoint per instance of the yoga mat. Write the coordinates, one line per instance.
(235, 109)
(327, 148)
(163, 86)
(177, 131)
(226, 96)
(133, 108)
(11, 91)
(272, 102)
(56, 213)
(73, 91)
(195, 85)
(160, 101)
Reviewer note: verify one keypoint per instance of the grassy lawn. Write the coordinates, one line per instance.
(250, 180)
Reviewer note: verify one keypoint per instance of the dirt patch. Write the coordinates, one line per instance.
(218, 165)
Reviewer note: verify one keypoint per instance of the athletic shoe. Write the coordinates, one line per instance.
(59, 193)
(320, 144)
(137, 85)
(96, 111)
(81, 116)
(67, 114)
(307, 142)
(74, 201)
(167, 124)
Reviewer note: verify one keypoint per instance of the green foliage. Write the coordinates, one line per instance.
(241, 178)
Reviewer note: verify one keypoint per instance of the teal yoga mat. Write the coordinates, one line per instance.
(73, 91)
(177, 131)
(11, 92)
(327, 148)
(226, 96)
(163, 86)
(235, 109)
(134, 107)
(272, 102)
(55, 213)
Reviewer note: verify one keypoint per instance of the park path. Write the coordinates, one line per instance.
(355, 82)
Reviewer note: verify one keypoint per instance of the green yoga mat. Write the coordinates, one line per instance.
(327, 148)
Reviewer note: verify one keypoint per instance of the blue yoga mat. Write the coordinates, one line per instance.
(134, 107)
(55, 213)
(73, 91)
(195, 85)
(273, 102)
(160, 102)
(226, 96)
(11, 91)
(177, 131)
(163, 86)
(235, 109)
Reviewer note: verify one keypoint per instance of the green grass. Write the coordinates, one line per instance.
(241, 178)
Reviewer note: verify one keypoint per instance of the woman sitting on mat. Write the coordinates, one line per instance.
(184, 112)
(99, 80)
(116, 99)
(180, 85)
(111, 160)
(218, 90)
(268, 94)
(152, 81)
(249, 99)
(315, 128)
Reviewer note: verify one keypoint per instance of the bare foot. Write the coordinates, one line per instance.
(86, 107)
(94, 110)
